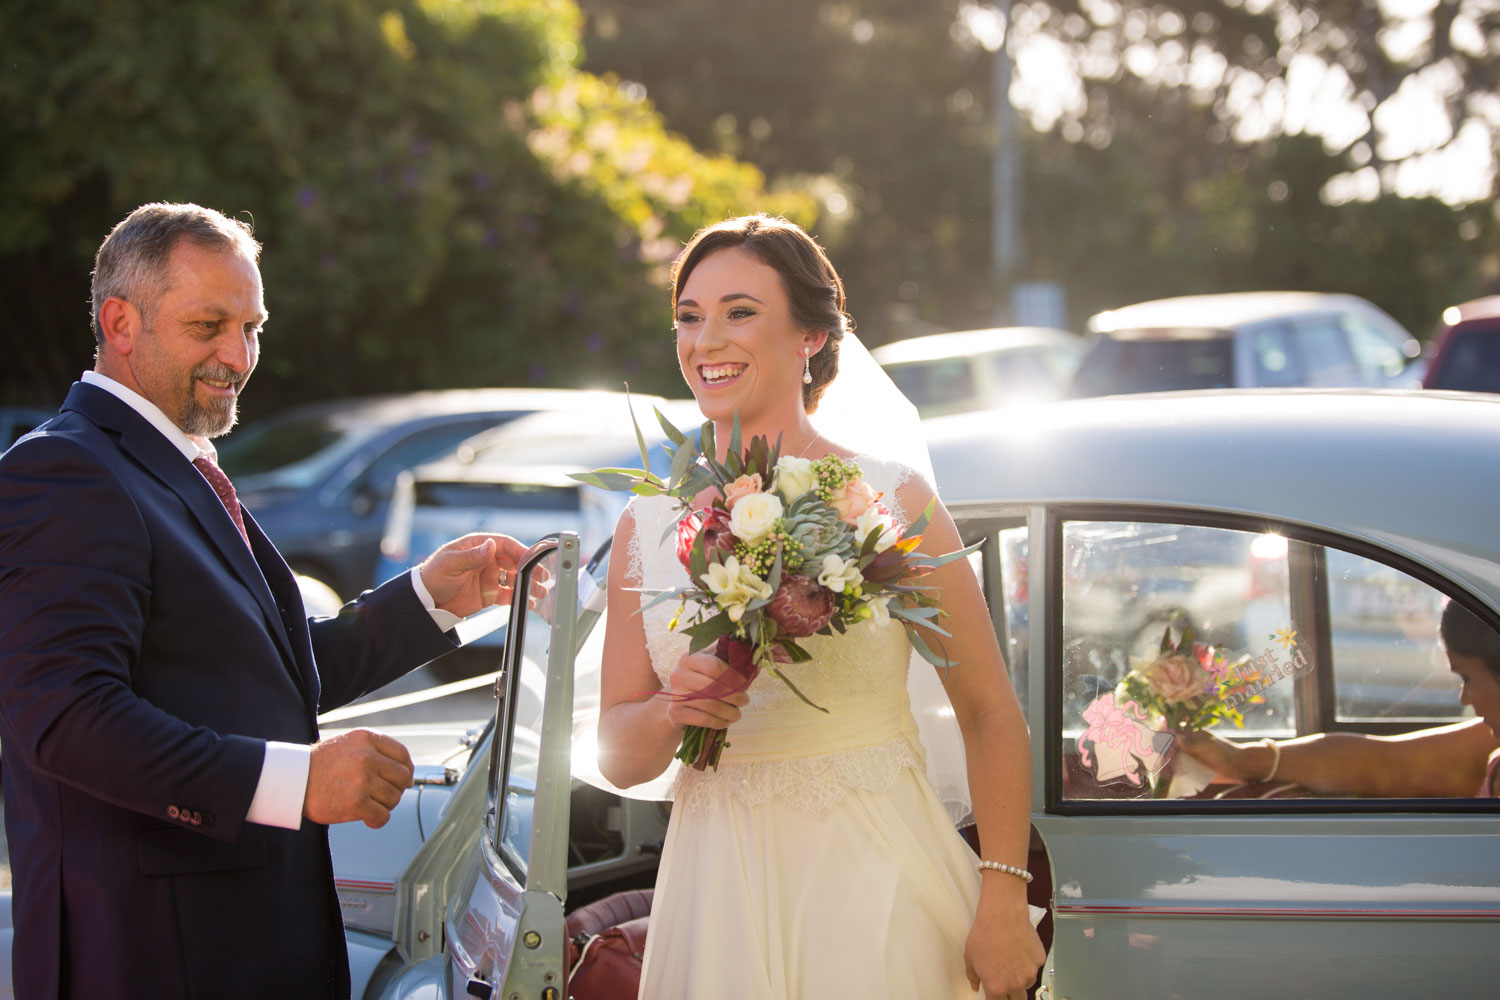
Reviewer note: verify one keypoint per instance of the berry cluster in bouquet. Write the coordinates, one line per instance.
(784, 548)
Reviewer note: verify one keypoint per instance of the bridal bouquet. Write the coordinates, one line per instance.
(1188, 686)
(786, 548)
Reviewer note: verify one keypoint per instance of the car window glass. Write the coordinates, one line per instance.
(291, 453)
(1325, 350)
(1166, 624)
(420, 446)
(1470, 362)
(1014, 596)
(935, 387)
(1020, 374)
(1001, 567)
(525, 697)
(1228, 635)
(1276, 360)
(1154, 364)
(1377, 354)
(1387, 661)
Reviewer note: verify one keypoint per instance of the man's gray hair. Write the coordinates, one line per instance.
(132, 261)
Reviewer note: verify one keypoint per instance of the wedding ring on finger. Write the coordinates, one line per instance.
(504, 576)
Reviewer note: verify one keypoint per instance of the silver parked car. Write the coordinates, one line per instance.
(1247, 340)
(1357, 514)
(966, 370)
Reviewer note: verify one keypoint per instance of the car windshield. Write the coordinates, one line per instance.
(1153, 364)
(293, 453)
(1471, 362)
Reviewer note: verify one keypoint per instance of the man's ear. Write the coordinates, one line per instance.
(121, 325)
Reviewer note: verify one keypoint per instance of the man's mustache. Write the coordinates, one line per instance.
(219, 373)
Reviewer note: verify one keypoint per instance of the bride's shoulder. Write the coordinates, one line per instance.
(904, 489)
(888, 474)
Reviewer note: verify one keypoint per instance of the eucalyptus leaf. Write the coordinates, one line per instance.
(920, 524)
(734, 435)
(669, 429)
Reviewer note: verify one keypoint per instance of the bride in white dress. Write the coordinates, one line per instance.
(817, 860)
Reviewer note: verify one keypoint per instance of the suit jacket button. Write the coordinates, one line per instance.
(173, 812)
(197, 819)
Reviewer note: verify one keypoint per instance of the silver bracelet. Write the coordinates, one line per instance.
(996, 866)
(1275, 749)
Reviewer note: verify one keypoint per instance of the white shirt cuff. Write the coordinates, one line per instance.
(444, 620)
(283, 786)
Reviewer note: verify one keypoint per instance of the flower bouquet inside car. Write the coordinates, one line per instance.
(784, 548)
(1188, 686)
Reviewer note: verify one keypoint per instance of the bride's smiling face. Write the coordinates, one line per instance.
(736, 342)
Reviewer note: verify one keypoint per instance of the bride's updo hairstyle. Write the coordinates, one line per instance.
(813, 288)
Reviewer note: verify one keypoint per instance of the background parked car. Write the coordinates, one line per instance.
(967, 370)
(319, 478)
(18, 420)
(1247, 339)
(514, 479)
(1466, 348)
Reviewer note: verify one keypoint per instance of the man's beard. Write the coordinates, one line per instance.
(218, 417)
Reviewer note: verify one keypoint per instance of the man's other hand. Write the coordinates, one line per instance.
(356, 775)
(465, 575)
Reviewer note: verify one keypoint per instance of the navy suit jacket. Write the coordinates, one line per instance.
(146, 655)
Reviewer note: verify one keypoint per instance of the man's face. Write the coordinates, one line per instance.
(203, 339)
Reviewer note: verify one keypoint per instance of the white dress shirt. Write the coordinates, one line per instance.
(282, 789)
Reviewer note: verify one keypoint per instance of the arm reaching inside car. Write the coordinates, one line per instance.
(1444, 762)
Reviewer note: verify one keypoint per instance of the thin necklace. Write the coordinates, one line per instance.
(814, 441)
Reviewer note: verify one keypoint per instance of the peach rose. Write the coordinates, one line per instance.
(741, 487)
(1178, 679)
(853, 499)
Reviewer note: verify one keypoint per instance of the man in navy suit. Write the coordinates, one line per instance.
(166, 794)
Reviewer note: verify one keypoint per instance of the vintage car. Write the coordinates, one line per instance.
(1357, 513)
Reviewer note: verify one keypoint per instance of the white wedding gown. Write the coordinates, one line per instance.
(816, 861)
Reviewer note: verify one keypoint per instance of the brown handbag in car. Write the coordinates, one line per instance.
(606, 945)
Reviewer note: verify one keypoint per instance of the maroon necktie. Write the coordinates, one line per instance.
(225, 489)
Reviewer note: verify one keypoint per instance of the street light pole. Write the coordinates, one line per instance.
(1005, 245)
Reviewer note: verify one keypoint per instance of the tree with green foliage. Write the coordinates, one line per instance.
(444, 198)
(1146, 180)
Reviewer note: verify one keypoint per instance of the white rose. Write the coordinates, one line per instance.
(794, 477)
(838, 575)
(734, 586)
(754, 516)
(876, 519)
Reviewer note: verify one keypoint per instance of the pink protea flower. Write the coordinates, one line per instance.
(800, 607)
(714, 523)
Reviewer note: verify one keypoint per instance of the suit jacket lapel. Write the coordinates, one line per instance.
(282, 584)
(157, 455)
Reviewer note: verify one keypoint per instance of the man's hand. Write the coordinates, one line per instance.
(464, 576)
(357, 775)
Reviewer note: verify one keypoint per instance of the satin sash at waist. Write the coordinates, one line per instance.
(802, 731)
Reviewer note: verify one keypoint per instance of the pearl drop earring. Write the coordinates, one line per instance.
(807, 366)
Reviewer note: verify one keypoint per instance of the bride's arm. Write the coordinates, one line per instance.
(1003, 950)
(637, 736)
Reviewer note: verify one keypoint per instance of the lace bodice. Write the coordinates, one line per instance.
(782, 747)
